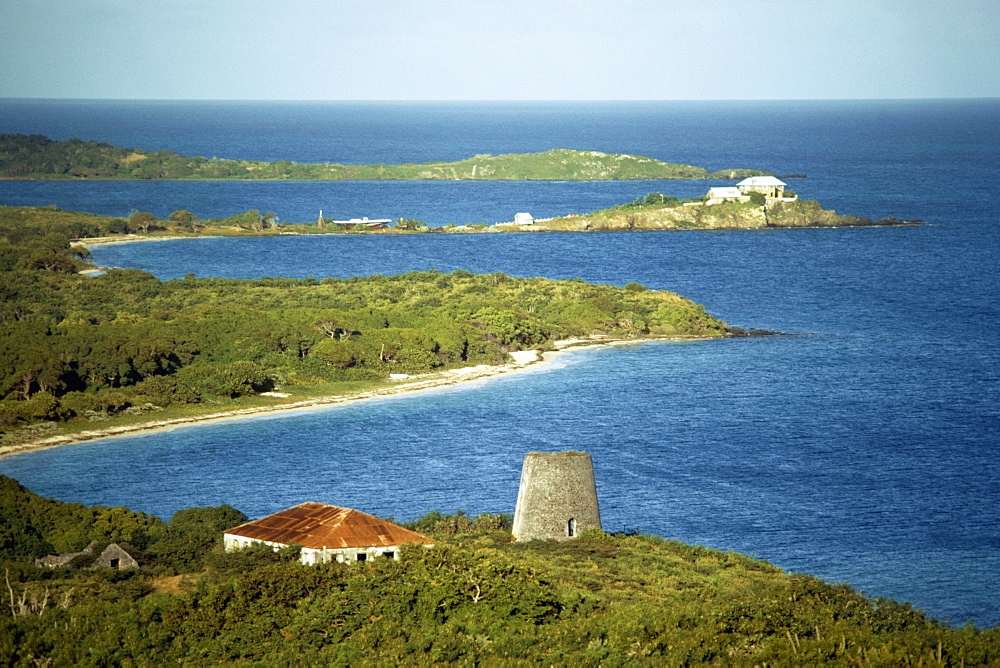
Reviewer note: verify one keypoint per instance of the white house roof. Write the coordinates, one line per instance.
(724, 191)
(765, 181)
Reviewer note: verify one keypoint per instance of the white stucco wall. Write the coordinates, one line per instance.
(311, 556)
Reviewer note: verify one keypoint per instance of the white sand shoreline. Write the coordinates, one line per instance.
(107, 241)
(521, 361)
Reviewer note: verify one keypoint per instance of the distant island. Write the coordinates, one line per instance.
(749, 208)
(38, 157)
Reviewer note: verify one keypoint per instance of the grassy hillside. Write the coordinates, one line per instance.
(473, 598)
(38, 157)
(662, 212)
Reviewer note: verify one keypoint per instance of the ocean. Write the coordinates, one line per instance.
(861, 446)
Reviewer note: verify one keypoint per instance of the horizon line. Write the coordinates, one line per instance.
(498, 100)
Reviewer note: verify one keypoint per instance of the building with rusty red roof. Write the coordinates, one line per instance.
(326, 533)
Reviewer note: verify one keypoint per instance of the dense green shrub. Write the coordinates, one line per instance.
(125, 341)
(475, 597)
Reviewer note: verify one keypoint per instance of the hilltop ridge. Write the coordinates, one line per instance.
(475, 597)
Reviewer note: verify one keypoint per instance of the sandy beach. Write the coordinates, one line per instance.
(520, 361)
(134, 238)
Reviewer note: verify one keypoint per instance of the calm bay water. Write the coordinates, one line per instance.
(862, 447)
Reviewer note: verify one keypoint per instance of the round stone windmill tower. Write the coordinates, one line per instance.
(557, 499)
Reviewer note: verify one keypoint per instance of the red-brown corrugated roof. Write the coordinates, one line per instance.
(318, 525)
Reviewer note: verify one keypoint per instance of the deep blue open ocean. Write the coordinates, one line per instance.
(863, 447)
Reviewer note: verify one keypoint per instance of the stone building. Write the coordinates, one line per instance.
(326, 533)
(115, 557)
(63, 560)
(557, 499)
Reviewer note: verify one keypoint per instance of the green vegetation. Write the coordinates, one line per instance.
(37, 157)
(652, 212)
(119, 347)
(473, 598)
(663, 212)
(22, 222)
(124, 345)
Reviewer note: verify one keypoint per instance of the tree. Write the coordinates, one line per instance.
(118, 226)
(186, 219)
(49, 260)
(410, 224)
(248, 220)
(80, 229)
(335, 327)
(41, 406)
(192, 533)
(182, 216)
(166, 391)
(237, 379)
(142, 221)
(340, 354)
(509, 328)
(121, 525)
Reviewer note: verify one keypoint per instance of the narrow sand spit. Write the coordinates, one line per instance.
(133, 238)
(521, 360)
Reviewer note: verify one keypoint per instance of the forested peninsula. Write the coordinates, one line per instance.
(474, 598)
(81, 352)
(87, 356)
(38, 157)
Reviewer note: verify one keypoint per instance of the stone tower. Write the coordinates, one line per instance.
(558, 497)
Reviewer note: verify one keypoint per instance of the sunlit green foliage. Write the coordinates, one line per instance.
(36, 156)
(124, 343)
(20, 225)
(31, 526)
(656, 211)
(475, 597)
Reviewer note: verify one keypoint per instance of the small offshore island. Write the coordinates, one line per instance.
(758, 201)
(38, 157)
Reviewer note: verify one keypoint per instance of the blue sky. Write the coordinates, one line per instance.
(491, 50)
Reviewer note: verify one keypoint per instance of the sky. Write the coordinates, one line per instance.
(499, 50)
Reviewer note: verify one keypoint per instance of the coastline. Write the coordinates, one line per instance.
(500, 228)
(130, 239)
(520, 361)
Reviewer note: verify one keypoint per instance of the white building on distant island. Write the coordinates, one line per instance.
(769, 186)
(720, 194)
(523, 219)
(370, 223)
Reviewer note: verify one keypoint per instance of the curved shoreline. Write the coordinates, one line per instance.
(521, 361)
(500, 228)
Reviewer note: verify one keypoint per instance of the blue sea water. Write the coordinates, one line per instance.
(862, 447)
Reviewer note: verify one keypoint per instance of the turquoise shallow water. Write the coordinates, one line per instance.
(862, 447)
